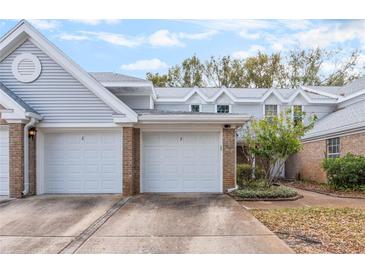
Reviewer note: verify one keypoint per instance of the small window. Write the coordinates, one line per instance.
(297, 114)
(333, 148)
(222, 108)
(271, 111)
(195, 108)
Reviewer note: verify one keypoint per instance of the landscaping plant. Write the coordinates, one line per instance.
(274, 139)
(347, 172)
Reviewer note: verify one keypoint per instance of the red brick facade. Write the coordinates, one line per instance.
(16, 160)
(229, 158)
(131, 161)
(307, 163)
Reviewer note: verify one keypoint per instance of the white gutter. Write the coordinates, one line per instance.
(31, 123)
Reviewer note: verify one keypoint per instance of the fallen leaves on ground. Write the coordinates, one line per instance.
(317, 230)
(314, 186)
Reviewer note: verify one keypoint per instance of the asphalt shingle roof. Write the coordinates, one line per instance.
(115, 77)
(348, 118)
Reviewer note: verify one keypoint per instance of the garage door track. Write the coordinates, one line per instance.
(147, 223)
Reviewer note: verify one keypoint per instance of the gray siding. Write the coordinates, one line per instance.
(56, 95)
(172, 107)
(136, 101)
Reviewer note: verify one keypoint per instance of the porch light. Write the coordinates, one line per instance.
(32, 132)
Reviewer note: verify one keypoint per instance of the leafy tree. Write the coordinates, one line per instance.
(298, 67)
(274, 139)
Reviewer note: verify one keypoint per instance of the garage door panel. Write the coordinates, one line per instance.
(83, 162)
(180, 162)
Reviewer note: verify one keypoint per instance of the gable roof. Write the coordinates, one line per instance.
(244, 95)
(17, 99)
(348, 119)
(23, 30)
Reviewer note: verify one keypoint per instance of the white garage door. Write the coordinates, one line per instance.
(181, 162)
(4, 160)
(83, 162)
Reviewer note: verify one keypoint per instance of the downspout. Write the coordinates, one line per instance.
(31, 123)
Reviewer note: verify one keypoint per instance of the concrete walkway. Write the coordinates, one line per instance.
(311, 199)
(145, 224)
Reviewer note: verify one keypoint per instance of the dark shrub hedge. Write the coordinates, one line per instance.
(244, 174)
(347, 172)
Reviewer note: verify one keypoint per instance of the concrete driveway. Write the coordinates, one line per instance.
(145, 224)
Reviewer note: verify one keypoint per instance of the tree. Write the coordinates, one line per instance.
(298, 67)
(274, 139)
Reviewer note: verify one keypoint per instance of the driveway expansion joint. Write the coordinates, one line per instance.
(79, 240)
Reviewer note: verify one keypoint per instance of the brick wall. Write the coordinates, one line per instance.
(354, 144)
(229, 158)
(131, 161)
(32, 166)
(307, 163)
(16, 162)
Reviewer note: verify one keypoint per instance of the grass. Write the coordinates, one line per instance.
(317, 230)
(260, 190)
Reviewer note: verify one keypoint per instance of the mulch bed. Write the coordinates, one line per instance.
(325, 189)
(317, 230)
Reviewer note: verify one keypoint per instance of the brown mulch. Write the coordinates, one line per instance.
(325, 189)
(317, 230)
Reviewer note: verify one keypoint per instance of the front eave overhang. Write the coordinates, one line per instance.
(193, 119)
(335, 132)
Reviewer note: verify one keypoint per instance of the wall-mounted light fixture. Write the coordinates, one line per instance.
(32, 132)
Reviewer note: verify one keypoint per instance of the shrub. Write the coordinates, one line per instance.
(244, 174)
(259, 189)
(347, 172)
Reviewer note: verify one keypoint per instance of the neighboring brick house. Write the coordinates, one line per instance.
(336, 134)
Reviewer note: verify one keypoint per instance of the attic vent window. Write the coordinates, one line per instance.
(26, 67)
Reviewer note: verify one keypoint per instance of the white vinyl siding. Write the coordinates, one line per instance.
(56, 94)
(136, 101)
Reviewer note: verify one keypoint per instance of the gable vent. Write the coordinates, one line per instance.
(26, 67)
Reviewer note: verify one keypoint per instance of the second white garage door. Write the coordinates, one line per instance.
(181, 162)
(83, 162)
(4, 160)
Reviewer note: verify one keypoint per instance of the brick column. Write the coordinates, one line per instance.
(16, 160)
(32, 166)
(131, 161)
(229, 158)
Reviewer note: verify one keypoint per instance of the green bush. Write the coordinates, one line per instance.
(259, 189)
(347, 172)
(244, 174)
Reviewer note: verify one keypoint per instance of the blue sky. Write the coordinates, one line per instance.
(134, 47)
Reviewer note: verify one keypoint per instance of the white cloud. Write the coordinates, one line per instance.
(198, 36)
(151, 64)
(253, 50)
(94, 22)
(45, 24)
(164, 38)
(73, 37)
(114, 38)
